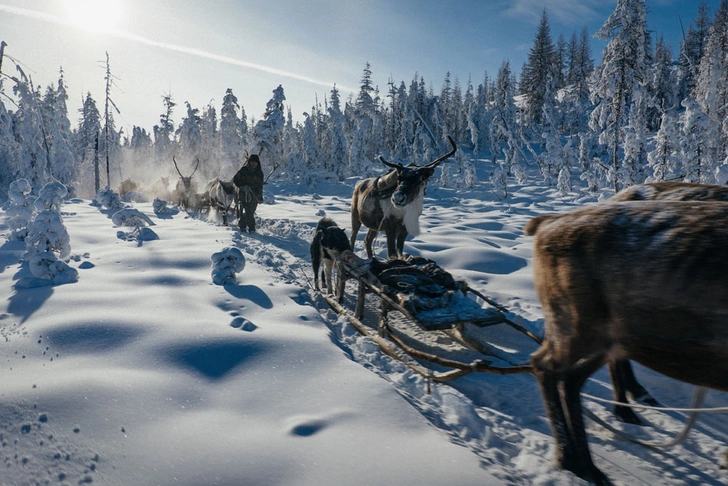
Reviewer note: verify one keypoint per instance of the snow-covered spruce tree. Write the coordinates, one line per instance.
(164, 144)
(30, 132)
(189, 135)
(231, 134)
(21, 208)
(695, 149)
(664, 159)
(692, 51)
(711, 89)
(86, 145)
(210, 146)
(634, 147)
(575, 94)
(367, 127)
(268, 130)
(590, 165)
(47, 243)
(335, 137)
(539, 73)
(10, 165)
(63, 160)
(504, 129)
(663, 85)
(623, 70)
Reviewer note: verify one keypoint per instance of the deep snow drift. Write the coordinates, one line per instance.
(162, 365)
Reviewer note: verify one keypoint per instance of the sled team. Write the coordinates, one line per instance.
(611, 278)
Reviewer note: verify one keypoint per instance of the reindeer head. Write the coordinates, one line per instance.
(186, 181)
(412, 179)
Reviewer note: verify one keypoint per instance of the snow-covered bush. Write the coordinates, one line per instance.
(47, 266)
(21, 208)
(136, 219)
(225, 264)
(108, 199)
(131, 217)
(46, 233)
(51, 196)
(160, 207)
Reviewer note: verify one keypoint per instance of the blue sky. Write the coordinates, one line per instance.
(196, 50)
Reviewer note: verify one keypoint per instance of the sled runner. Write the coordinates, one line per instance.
(418, 313)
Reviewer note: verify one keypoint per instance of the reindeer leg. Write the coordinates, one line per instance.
(355, 225)
(633, 387)
(401, 236)
(581, 463)
(620, 378)
(368, 240)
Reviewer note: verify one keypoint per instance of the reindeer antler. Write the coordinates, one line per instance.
(437, 162)
(390, 164)
(196, 166)
(175, 166)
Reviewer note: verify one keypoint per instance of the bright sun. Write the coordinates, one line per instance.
(93, 15)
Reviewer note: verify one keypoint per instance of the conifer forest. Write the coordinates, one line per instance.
(640, 113)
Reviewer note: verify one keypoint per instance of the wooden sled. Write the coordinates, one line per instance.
(412, 298)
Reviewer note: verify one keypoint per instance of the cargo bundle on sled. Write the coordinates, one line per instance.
(418, 313)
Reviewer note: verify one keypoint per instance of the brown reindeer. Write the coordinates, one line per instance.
(672, 191)
(629, 280)
(392, 203)
(127, 185)
(186, 188)
(623, 378)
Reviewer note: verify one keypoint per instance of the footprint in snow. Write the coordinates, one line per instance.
(243, 324)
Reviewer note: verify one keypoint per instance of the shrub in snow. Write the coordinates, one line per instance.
(47, 233)
(160, 207)
(47, 266)
(51, 196)
(225, 264)
(137, 220)
(21, 208)
(108, 199)
(131, 217)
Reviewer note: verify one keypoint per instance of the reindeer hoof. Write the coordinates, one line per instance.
(627, 415)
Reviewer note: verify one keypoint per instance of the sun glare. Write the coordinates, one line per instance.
(93, 15)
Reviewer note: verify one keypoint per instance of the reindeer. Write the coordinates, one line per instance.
(186, 188)
(622, 375)
(222, 196)
(127, 185)
(627, 280)
(672, 191)
(392, 203)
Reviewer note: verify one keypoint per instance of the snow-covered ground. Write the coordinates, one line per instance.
(145, 372)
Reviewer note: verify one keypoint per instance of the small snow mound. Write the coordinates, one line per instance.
(321, 213)
(47, 266)
(225, 264)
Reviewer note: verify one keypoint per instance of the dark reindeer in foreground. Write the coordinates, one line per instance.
(222, 197)
(628, 280)
(392, 203)
(623, 378)
(186, 188)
